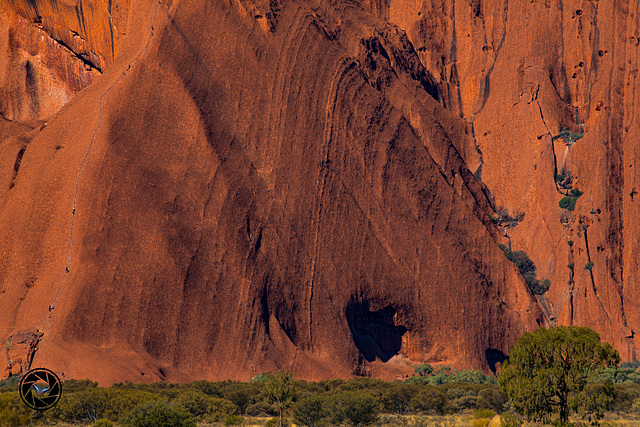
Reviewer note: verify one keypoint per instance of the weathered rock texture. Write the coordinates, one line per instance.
(260, 184)
(38, 72)
(520, 72)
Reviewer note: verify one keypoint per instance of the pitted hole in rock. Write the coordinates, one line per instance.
(375, 333)
(494, 357)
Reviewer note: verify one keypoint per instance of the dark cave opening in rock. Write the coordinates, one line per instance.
(494, 357)
(375, 333)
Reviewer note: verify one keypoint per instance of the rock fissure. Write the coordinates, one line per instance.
(82, 57)
(478, 172)
(542, 115)
(593, 283)
(16, 166)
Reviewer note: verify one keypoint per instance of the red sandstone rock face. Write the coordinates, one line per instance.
(520, 72)
(38, 73)
(261, 184)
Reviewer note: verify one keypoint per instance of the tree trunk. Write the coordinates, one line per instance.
(564, 409)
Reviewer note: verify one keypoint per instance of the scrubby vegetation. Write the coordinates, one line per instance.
(432, 391)
(527, 269)
(361, 401)
(568, 137)
(569, 202)
(432, 396)
(425, 373)
(505, 219)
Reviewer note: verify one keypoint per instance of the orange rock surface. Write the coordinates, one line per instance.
(232, 187)
(521, 72)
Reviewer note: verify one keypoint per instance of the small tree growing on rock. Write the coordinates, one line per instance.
(507, 221)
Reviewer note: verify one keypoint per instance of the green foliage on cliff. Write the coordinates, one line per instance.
(569, 202)
(568, 137)
(527, 269)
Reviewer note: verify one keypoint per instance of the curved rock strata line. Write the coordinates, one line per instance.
(284, 193)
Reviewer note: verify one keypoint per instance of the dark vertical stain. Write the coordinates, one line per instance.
(31, 88)
(16, 166)
(80, 15)
(453, 51)
(34, 5)
(113, 52)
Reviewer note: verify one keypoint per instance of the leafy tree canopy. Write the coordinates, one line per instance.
(280, 390)
(550, 371)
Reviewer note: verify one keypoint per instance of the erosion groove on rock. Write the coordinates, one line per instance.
(196, 189)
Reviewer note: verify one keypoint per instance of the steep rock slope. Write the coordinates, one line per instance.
(520, 72)
(284, 193)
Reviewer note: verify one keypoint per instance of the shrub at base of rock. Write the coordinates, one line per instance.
(204, 407)
(310, 411)
(12, 410)
(157, 414)
(233, 420)
(354, 407)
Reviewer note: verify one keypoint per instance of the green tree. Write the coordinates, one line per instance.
(548, 372)
(492, 398)
(424, 369)
(280, 390)
(311, 411)
(94, 403)
(396, 398)
(430, 401)
(207, 387)
(568, 203)
(242, 394)
(507, 221)
(356, 407)
(203, 406)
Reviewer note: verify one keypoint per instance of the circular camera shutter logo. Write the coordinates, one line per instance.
(40, 389)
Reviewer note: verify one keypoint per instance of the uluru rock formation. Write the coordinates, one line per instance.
(196, 189)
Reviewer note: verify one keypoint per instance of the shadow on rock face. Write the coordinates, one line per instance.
(375, 333)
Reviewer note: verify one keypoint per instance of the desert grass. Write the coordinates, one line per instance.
(455, 420)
